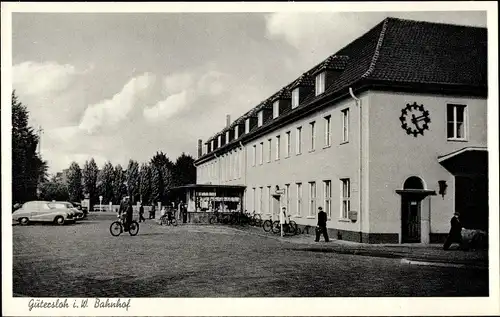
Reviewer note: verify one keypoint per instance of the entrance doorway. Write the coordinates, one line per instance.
(411, 210)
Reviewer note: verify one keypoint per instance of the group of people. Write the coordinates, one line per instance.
(126, 212)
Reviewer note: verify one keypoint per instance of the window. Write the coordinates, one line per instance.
(313, 135)
(261, 149)
(278, 147)
(346, 197)
(247, 125)
(345, 125)
(328, 198)
(220, 140)
(298, 148)
(254, 155)
(261, 205)
(236, 132)
(312, 198)
(328, 138)
(299, 199)
(270, 200)
(276, 109)
(287, 193)
(254, 199)
(260, 118)
(320, 83)
(295, 98)
(269, 150)
(288, 145)
(456, 121)
(227, 137)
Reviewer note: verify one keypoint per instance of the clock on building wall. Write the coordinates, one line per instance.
(415, 119)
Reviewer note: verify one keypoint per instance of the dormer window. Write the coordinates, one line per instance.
(247, 125)
(276, 109)
(227, 137)
(236, 132)
(295, 98)
(260, 118)
(219, 139)
(213, 144)
(320, 83)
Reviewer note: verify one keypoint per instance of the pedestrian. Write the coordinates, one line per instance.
(321, 228)
(152, 212)
(455, 235)
(283, 213)
(184, 213)
(129, 214)
(141, 213)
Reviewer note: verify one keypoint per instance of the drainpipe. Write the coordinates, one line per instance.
(360, 187)
(244, 176)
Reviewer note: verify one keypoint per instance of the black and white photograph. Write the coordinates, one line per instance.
(250, 159)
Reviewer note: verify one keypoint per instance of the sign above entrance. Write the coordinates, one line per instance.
(279, 192)
(206, 194)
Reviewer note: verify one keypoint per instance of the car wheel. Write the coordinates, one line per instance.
(24, 221)
(59, 220)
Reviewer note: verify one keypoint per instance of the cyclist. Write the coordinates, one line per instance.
(129, 212)
(169, 215)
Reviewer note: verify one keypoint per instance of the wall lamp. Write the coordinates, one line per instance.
(442, 188)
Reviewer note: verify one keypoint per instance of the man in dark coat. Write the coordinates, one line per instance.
(129, 214)
(455, 235)
(141, 214)
(152, 211)
(321, 228)
(184, 213)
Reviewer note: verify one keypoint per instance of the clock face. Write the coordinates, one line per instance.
(414, 119)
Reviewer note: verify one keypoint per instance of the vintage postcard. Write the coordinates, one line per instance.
(258, 159)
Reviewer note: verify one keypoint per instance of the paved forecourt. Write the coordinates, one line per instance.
(84, 260)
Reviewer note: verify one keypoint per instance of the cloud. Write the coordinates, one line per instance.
(185, 91)
(168, 107)
(114, 110)
(32, 78)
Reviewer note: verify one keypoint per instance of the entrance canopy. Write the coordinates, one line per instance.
(468, 160)
(208, 197)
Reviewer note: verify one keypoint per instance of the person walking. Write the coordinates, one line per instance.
(321, 228)
(152, 212)
(141, 213)
(455, 234)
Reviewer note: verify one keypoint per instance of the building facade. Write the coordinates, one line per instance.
(388, 135)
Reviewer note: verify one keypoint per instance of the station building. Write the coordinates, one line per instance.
(388, 135)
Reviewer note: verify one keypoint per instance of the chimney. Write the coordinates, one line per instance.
(228, 121)
(200, 148)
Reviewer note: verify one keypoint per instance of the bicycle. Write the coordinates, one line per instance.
(164, 220)
(289, 227)
(256, 220)
(218, 218)
(117, 227)
(268, 224)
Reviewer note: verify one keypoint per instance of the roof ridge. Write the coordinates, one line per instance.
(431, 22)
(377, 49)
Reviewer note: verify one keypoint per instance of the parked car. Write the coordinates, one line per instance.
(78, 206)
(43, 211)
(77, 214)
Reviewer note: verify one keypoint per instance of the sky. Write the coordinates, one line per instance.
(120, 86)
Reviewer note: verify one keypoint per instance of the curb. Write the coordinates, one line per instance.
(441, 264)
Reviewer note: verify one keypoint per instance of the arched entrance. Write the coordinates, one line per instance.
(411, 210)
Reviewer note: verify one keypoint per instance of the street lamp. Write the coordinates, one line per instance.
(100, 203)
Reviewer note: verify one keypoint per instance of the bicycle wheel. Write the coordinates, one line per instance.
(276, 227)
(258, 222)
(133, 229)
(267, 225)
(173, 222)
(212, 220)
(251, 221)
(116, 229)
(293, 227)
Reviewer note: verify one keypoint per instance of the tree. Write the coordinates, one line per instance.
(133, 180)
(54, 190)
(107, 176)
(145, 183)
(75, 188)
(119, 188)
(90, 172)
(28, 168)
(156, 184)
(184, 170)
(162, 169)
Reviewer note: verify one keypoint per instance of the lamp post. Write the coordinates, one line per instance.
(100, 203)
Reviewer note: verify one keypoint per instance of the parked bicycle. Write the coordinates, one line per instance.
(289, 227)
(218, 217)
(255, 220)
(268, 224)
(117, 227)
